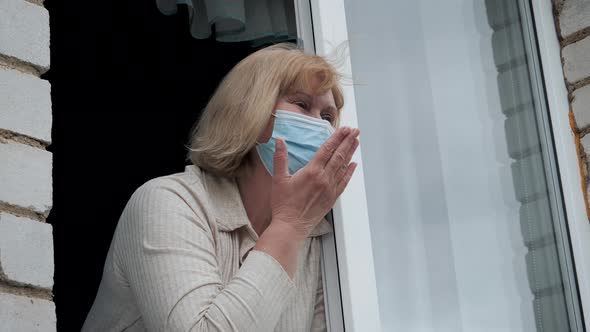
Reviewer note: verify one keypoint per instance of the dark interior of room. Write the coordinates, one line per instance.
(127, 85)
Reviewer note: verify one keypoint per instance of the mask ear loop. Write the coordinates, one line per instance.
(272, 114)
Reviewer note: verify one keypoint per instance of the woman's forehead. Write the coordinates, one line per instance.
(325, 96)
(310, 83)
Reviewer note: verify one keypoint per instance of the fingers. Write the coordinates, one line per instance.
(327, 149)
(345, 179)
(338, 163)
(341, 171)
(281, 159)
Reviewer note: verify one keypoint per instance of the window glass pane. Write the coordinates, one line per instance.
(461, 210)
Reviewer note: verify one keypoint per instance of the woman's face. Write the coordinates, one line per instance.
(320, 106)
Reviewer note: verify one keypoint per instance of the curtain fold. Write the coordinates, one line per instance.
(258, 21)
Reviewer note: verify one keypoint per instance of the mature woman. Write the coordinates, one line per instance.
(233, 242)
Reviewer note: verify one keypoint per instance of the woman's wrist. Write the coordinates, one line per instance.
(283, 242)
(289, 229)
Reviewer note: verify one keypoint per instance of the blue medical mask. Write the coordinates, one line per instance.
(303, 135)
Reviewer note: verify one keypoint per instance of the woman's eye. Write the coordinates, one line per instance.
(301, 104)
(328, 118)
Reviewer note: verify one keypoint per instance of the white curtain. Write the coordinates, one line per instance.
(258, 21)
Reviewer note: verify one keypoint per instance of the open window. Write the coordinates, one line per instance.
(457, 220)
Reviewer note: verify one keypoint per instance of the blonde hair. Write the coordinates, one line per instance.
(242, 104)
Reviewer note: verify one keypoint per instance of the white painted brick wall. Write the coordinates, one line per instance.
(25, 104)
(26, 251)
(575, 16)
(25, 176)
(581, 107)
(24, 32)
(25, 314)
(585, 142)
(26, 246)
(576, 60)
(558, 2)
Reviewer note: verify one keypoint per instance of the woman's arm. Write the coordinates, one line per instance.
(166, 247)
(166, 250)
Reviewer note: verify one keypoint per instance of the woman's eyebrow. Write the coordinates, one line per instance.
(331, 108)
(303, 94)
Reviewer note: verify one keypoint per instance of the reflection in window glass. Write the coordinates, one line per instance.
(462, 222)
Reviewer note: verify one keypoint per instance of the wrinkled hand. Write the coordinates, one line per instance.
(303, 199)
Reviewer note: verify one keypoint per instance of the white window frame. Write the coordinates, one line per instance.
(329, 260)
(358, 294)
(349, 277)
(565, 147)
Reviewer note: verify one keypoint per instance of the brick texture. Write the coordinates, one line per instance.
(573, 22)
(574, 16)
(25, 102)
(576, 60)
(26, 251)
(26, 241)
(24, 32)
(585, 143)
(25, 314)
(581, 107)
(25, 175)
